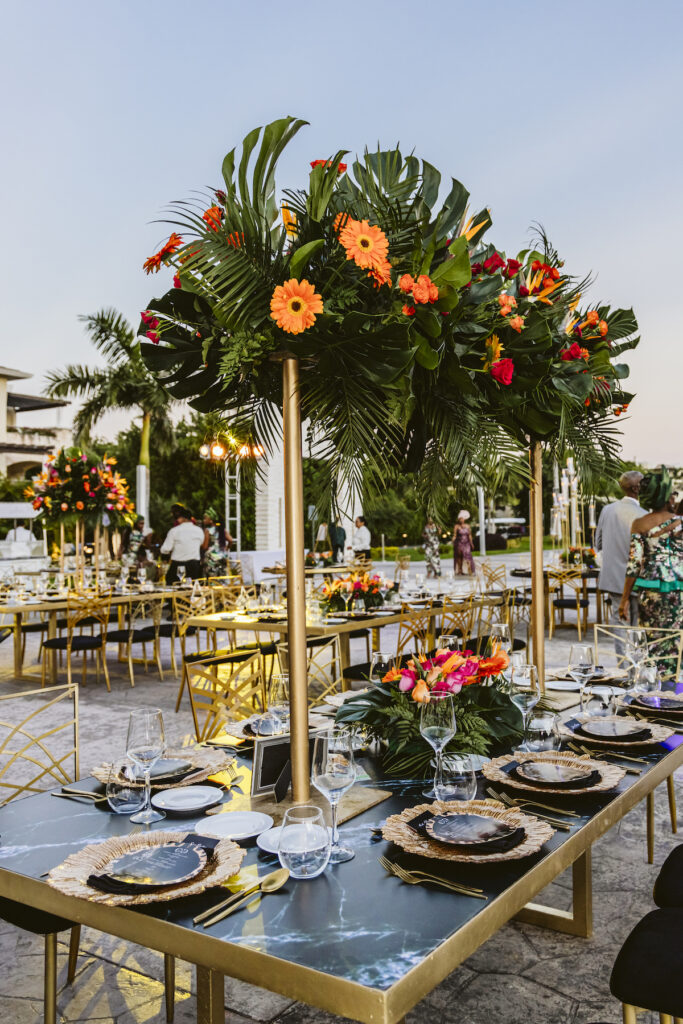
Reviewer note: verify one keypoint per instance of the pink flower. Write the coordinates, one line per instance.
(146, 316)
(153, 336)
(407, 681)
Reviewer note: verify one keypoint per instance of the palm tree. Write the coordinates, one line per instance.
(124, 383)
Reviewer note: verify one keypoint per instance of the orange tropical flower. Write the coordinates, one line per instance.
(340, 222)
(381, 275)
(408, 310)
(365, 244)
(424, 290)
(516, 323)
(153, 264)
(289, 221)
(406, 283)
(493, 351)
(392, 675)
(585, 354)
(494, 665)
(294, 305)
(592, 317)
(213, 217)
(603, 328)
(420, 692)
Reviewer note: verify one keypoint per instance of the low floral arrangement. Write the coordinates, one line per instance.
(77, 486)
(580, 556)
(486, 718)
(363, 585)
(316, 559)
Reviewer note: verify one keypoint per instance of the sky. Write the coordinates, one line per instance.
(567, 115)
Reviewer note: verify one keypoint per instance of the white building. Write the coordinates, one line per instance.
(22, 447)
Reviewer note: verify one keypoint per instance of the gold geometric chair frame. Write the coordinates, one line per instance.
(31, 743)
(495, 576)
(415, 630)
(558, 579)
(84, 609)
(457, 617)
(323, 668)
(220, 692)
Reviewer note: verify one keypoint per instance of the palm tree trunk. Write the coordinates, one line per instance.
(144, 439)
(142, 475)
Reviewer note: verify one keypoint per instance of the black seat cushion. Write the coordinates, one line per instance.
(570, 602)
(478, 643)
(360, 671)
(31, 920)
(669, 885)
(136, 636)
(78, 643)
(317, 641)
(359, 634)
(223, 656)
(166, 629)
(33, 627)
(648, 969)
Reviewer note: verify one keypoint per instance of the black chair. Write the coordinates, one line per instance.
(668, 891)
(478, 644)
(648, 970)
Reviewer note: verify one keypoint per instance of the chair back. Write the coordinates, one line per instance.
(495, 576)
(414, 629)
(38, 741)
(664, 647)
(87, 608)
(146, 613)
(222, 692)
(323, 664)
(458, 617)
(188, 604)
(569, 577)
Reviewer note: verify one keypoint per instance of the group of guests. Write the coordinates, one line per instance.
(202, 550)
(463, 546)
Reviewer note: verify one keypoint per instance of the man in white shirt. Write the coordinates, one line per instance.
(361, 539)
(183, 545)
(613, 539)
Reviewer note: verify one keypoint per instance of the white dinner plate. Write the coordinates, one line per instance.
(234, 825)
(337, 699)
(564, 685)
(269, 841)
(187, 799)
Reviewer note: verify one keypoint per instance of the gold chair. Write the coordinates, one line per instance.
(85, 609)
(558, 579)
(458, 617)
(185, 606)
(415, 630)
(221, 692)
(402, 565)
(495, 576)
(323, 665)
(143, 627)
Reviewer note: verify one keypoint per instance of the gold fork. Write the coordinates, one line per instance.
(523, 802)
(555, 822)
(611, 758)
(422, 878)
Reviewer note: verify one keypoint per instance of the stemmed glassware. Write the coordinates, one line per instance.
(181, 574)
(499, 636)
(144, 746)
(333, 772)
(437, 726)
(525, 693)
(278, 703)
(581, 663)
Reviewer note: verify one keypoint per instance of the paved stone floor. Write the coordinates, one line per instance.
(523, 975)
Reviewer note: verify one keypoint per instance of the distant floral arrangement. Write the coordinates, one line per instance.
(77, 486)
(339, 594)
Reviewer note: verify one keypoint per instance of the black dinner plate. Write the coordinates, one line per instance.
(158, 865)
(548, 773)
(467, 829)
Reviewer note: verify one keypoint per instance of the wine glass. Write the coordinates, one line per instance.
(265, 595)
(581, 663)
(459, 781)
(543, 732)
(437, 726)
(304, 843)
(525, 694)
(333, 772)
(358, 606)
(180, 572)
(144, 746)
(635, 650)
(278, 700)
(380, 665)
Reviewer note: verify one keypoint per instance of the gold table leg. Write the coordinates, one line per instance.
(650, 806)
(672, 803)
(18, 660)
(210, 997)
(50, 986)
(578, 920)
(52, 655)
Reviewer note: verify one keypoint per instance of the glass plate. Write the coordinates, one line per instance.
(466, 829)
(611, 727)
(660, 701)
(158, 865)
(548, 772)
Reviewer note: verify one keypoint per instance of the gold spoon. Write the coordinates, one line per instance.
(271, 883)
(259, 884)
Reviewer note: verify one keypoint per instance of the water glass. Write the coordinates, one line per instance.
(597, 700)
(647, 679)
(144, 746)
(333, 772)
(525, 693)
(543, 732)
(449, 642)
(180, 572)
(380, 665)
(437, 726)
(458, 780)
(122, 797)
(304, 846)
(278, 698)
(142, 575)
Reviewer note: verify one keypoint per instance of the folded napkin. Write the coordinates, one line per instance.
(635, 737)
(418, 825)
(512, 768)
(115, 887)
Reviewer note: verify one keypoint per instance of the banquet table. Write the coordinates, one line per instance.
(354, 941)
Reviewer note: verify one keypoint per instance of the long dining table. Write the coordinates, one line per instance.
(354, 941)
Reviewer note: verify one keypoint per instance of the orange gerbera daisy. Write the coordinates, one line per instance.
(381, 275)
(153, 264)
(294, 306)
(365, 244)
(213, 217)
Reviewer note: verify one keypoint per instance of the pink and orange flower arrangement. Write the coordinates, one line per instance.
(446, 672)
(77, 486)
(363, 585)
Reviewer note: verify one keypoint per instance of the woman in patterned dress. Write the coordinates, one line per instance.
(432, 548)
(462, 544)
(655, 568)
(218, 543)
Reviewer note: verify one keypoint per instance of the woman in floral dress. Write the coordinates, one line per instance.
(432, 548)
(462, 544)
(218, 543)
(655, 568)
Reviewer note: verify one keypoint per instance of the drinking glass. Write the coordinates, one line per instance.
(304, 846)
(581, 663)
(437, 726)
(144, 746)
(380, 665)
(525, 694)
(123, 798)
(142, 575)
(266, 594)
(333, 772)
(499, 636)
(449, 642)
(358, 605)
(181, 574)
(597, 699)
(543, 732)
(278, 701)
(647, 679)
(458, 781)
(419, 582)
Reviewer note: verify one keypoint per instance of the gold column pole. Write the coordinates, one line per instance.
(296, 595)
(96, 546)
(536, 548)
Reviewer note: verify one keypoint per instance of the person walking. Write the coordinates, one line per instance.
(337, 540)
(655, 566)
(463, 545)
(432, 548)
(613, 539)
(361, 539)
(183, 545)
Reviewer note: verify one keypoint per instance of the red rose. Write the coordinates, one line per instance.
(476, 268)
(513, 268)
(493, 263)
(536, 265)
(502, 371)
(176, 281)
(573, 352)
(523, 290)
(153, 336)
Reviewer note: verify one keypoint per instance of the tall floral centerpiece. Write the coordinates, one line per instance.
(390, 711)
(366, 586)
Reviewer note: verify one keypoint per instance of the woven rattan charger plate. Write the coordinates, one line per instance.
(658, 733)
(204, 763)
(396, 830)
(71, 876)
(610, 774)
